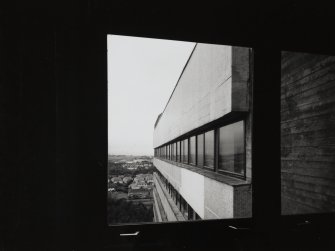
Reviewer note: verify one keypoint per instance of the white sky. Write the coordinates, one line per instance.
(142, 74)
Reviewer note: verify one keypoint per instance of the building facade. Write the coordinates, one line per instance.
(202, 139)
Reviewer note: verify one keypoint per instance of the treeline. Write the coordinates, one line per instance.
(122, 211)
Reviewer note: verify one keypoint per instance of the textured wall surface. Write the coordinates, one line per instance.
(307, 133)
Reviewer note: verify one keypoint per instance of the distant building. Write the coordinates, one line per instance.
(149, 178)
(117, 180)
(127, 179)
(135, 192)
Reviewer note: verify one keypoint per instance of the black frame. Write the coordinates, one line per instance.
(66, 45)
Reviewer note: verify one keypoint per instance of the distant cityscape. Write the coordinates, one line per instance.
(130, 189)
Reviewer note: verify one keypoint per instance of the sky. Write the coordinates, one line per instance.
(142, 74)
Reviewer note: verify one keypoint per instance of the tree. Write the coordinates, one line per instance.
(122, 211)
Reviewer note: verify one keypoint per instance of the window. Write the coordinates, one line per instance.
(190, 213)
(169, 152)
(185, 151)
(184, 208)
(177, 151)
(200, 150)
(180, 151)
(231, 148)
(173, 153)
(209, 149)
(193, 150)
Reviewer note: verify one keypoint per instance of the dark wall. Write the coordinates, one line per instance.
(308, 133)
(28, 126)
(53, 127)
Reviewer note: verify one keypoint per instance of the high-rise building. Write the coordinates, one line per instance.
(202, 139)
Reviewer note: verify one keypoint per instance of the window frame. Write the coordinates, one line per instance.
(211, 168)
(234, 174)
(195, 153)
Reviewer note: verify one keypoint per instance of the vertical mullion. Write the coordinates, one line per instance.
(188, 150)
(203, 150)
(216, 149)
(196, 150)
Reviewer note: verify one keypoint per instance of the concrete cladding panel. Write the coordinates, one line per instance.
(192, 189)
(219, 200)
(209, 198)
(205, 90)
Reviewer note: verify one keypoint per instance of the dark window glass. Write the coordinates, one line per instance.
(192, 151)
(190, 213)
(200, 150)
(209, 149)
(184, 208)
(177, 151)
(185, 151)
(231, 148)
(180, 151)
(168, 151)
(173, 154)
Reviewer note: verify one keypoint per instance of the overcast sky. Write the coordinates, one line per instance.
(142, 74)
